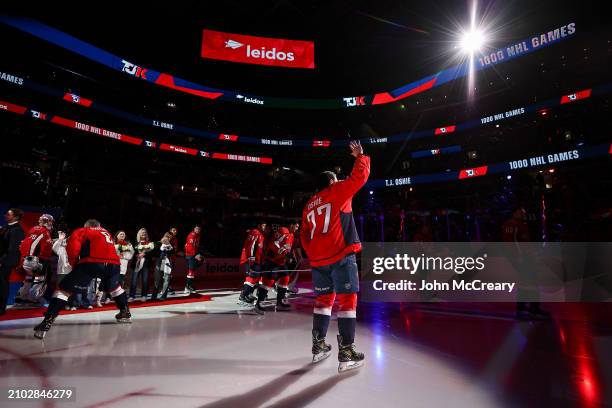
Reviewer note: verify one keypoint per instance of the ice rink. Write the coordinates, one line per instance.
(214, 353)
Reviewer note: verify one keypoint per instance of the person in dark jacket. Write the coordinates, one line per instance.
(10, 239)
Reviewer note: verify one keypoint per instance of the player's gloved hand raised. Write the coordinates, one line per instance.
(199, 258)
(356, 148)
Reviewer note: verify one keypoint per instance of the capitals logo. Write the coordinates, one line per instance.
(354, 101)
(443, 130)
(134, 69)
(38, 115)
(75, 98)
(435, 151)
(474, 172)
(584, 94)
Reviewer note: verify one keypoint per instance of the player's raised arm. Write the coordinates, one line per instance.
(359, 175)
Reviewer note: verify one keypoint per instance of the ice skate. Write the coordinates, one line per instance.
(43, 327)
(283, 306)
(259, 309)
(124, 316)
(320, 349)
(348, 357)
(246, 301)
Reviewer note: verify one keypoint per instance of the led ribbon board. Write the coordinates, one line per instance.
(121, 137)
(249, 49)
(483, 61)
(401, 137)
(502, 167)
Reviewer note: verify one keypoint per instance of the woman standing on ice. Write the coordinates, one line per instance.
(142, 265)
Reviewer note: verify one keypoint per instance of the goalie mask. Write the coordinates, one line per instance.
(46, 220)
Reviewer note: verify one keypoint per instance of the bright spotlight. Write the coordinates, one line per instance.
(472, 41)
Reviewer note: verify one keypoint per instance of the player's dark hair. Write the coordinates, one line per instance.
(17, 213)
(322, 180)
(92, 223)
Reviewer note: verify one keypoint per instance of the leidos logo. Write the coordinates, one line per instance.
(261, 53)
(246, 99)
(134, 69)
(233, 44)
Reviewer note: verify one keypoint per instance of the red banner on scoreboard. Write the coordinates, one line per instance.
(240, 157)
(74, 98)
(178, 149)
(58, 120)
(321, 143)
(228, 138)
(576, 96)
(444, 130)
(474, 172)
(12, 107)
(257, 50)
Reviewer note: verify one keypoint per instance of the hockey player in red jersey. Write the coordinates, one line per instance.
(330, 239)
(516, 230)
(92, 254)
(36, 250)
(193, 257)
(276, 251)
(250, 261)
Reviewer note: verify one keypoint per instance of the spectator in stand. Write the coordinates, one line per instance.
(10, 239)
(193, 257)
(144, 249)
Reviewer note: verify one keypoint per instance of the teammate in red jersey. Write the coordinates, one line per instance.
(92, 254)
(250, 261)
(36, 250)
(193, 257)
(516, 230)
(276, 251)
(330, 239)
(295, 259)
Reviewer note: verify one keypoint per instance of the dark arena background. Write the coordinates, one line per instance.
(484, 122)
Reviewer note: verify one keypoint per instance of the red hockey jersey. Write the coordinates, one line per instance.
(252, 247)
(91, 245)
(192, 245)
(279, 246)
(37, 242)
(328, 231)
(515, 230)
